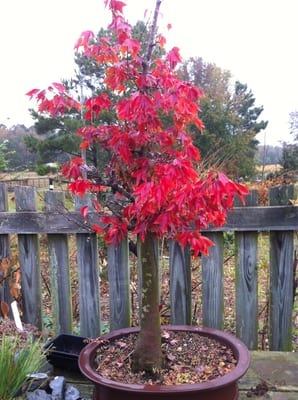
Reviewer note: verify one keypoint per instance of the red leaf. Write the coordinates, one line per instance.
(96, 205)
(121, 344)
(165, 335)
(115, 5)
(119, 25)
(161, 41)
(171, 357)
(59, 87)
(84, 40)
(84, 212)
(85, 145)
(130, 45)
(162, 221)
(98, 229)
(32, 93)
(80, 187)
(4, 309)
(174, 57)
(97, 105)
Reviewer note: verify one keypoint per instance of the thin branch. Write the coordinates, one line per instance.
(151, 41)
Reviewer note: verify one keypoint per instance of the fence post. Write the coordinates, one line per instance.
(25, 198)
(212, 279)
(281, 277)
(246, 244)
(59, 267)
(88, 270)
(5, 294)
(180, 284)
(119, 285)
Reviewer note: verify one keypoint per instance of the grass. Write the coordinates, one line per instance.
(16, 363)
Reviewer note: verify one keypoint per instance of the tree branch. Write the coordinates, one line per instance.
(151, 41)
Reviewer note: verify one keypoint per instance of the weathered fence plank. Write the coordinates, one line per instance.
(247, 288)
(59, 267)
(246, 248)
(281, 290)
(119, 285)
(5, 294)
(180, 284)
(88, 271)
(212, 280)
(25, 198)
(240, 219)
(281, 277)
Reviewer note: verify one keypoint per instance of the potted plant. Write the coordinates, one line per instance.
(152, 184)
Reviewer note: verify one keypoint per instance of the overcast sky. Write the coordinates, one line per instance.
(256, 40)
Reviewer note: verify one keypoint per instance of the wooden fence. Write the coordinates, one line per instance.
(279, 219)
(40, 182)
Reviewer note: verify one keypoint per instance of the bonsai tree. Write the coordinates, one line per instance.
(153, 185)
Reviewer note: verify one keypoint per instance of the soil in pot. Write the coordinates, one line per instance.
(202, 364)
(189, 358)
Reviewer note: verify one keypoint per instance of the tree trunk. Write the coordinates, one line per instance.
(148, 355)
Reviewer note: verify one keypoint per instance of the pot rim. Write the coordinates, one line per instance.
(239, 348)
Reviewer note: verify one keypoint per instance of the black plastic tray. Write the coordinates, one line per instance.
(64, 350)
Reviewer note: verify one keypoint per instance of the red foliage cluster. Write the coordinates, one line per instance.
(153, 158)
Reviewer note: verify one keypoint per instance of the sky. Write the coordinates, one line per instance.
(256, 40)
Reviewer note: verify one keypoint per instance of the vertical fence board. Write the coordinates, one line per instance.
(88, 270)
(180, 284)
(25, 198)
(246, 245)
(212, 279)
(247, 288)
(59, 267)
(119, 285)
(5, 294)
(281, 290)
(281, 278)
(88, 285)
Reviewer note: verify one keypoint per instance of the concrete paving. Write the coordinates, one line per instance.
(275, 371)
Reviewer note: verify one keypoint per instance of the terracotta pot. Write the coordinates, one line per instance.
(223, 388)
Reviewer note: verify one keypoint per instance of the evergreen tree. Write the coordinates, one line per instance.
(4, 155)
(57, 139)
(244, 129)
(230, 118)
(15, 151)
(289, 159)
(290, 150)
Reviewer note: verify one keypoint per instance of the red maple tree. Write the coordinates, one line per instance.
(153, 177)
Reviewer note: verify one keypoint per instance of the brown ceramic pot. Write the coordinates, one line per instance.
(223, 388)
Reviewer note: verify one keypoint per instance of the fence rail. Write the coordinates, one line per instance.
(279, 219)
(40, 182)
